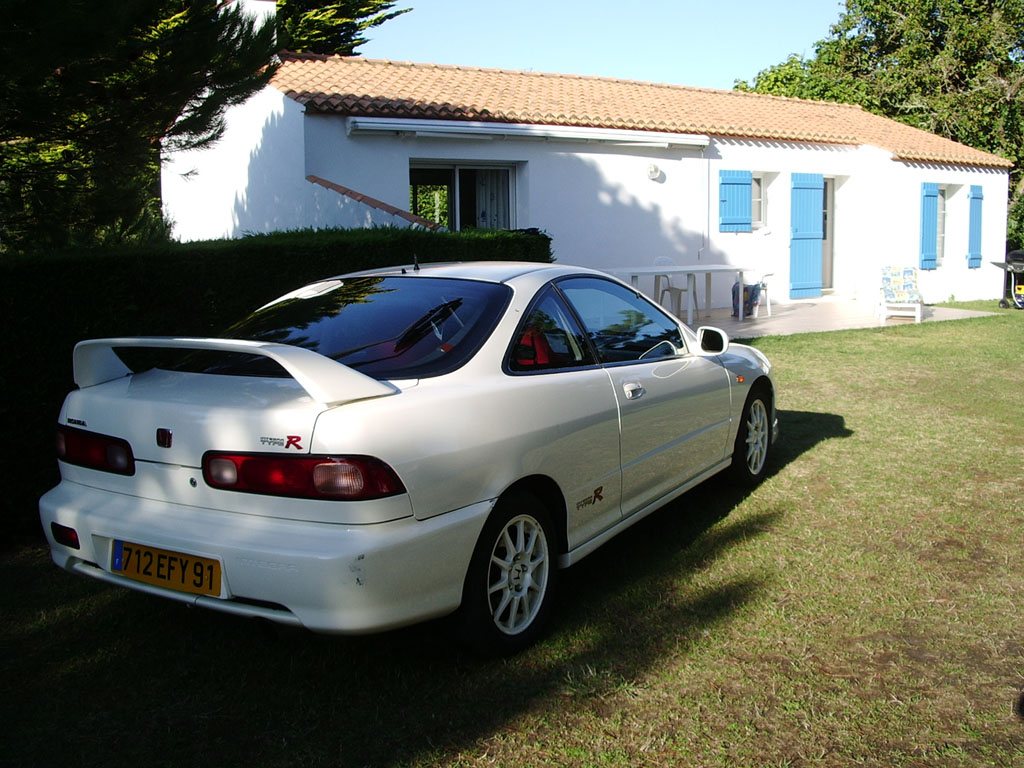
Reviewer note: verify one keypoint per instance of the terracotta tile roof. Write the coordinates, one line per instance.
(375, 88)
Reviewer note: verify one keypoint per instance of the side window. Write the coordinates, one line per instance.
(621, 325)
(757, 202)
(549, 339)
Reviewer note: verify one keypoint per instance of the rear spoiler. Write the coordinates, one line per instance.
(325, 380)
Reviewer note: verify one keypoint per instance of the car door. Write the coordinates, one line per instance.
(674, 405)
(561, 399)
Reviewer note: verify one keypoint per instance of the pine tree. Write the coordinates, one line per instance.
(90, 95)
(312, 26)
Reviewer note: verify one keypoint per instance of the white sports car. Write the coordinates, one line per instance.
(384, 447)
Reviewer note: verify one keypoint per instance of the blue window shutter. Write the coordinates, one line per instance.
(974, 232)
(734, 201)
(929, 225)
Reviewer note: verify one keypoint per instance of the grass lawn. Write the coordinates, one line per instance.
(861, 607)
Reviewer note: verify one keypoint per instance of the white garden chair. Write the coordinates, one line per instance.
(898, 295)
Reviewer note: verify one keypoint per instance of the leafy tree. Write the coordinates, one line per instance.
(91, 93)
(802, 78)
(315, 26)
(951, 67)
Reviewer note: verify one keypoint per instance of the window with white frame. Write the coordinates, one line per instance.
(743, 204)
(947, 204)
(463, 197)
(757, 201)
(940, 227)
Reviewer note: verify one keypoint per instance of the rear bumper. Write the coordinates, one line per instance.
(327, 578)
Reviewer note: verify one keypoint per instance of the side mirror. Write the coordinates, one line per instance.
(713, 341)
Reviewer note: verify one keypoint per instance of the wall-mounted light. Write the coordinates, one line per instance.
(653, 172)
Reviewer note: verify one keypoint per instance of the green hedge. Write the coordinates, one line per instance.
(52, 301)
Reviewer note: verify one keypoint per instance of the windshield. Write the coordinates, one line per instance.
(400, 327)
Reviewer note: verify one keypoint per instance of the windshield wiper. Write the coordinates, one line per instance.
(427, 324)
(414, 333)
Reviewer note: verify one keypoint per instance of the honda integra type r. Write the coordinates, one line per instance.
(385, 447)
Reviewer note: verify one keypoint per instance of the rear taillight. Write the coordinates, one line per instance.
(346, 478)
(95, 451)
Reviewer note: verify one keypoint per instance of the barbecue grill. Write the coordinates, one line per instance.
(1013, 287)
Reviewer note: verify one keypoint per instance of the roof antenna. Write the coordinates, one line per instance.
(415, 263)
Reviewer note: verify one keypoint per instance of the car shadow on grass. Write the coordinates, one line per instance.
(100, 672)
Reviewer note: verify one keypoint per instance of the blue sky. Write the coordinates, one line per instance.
(709, 43)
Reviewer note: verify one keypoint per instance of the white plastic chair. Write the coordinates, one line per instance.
(663, 285)
(765, 296)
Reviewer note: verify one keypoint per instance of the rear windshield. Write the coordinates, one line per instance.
(401, 327)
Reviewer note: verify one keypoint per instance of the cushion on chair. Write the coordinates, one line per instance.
(751, 299)
(899, 285)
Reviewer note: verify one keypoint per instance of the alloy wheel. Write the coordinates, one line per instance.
(517, 577)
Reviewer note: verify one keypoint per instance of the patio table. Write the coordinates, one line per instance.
(690, 271)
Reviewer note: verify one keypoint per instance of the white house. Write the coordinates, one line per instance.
(618, 172)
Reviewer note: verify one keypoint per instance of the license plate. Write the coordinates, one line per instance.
(165, 568)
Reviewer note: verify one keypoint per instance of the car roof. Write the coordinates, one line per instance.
(490, 271)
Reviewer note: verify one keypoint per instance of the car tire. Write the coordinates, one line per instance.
(510, 583)
(753, 439)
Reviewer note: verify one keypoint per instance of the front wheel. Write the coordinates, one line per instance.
(511, 579)
(754, 438)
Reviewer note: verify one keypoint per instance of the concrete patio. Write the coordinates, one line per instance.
(827, 313)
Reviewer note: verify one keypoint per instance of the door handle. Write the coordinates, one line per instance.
(633, 390)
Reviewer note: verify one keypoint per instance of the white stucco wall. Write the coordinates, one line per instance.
(602, 209)
(876, 217)
(595, 200)
(254, 179)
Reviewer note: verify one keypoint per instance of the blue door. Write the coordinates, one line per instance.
(806, 234)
